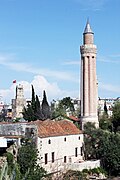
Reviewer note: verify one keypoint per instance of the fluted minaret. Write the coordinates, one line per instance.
(88, 78)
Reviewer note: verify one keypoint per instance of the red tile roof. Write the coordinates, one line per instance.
(56, 128)
(74, 118)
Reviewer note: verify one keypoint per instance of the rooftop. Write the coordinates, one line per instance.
(56, 128)
(88, 28)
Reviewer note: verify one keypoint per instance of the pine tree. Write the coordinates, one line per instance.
(45, 107)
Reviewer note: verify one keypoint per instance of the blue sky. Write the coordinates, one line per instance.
(39, 45)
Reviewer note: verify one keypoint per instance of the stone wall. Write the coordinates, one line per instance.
(83, 165)
(18, 131)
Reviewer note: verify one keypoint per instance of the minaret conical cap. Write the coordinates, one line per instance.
(88, 28)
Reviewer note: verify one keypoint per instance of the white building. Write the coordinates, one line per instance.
(59, 142)
(109, 104)
(3, 142)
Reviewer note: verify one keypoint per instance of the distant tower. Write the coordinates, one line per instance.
(88, 78)
(19, 102)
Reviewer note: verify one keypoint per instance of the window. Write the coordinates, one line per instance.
(49, 141)
(76, 154)
(53, 157)
(70, 160)
(65, 139)
(81, 151)
(79, 137)
(46, 158)
(65, 159)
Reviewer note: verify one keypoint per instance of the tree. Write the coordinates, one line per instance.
(27, 160)
(109, 153)
(27, 157)
(65, 105)
(103, 145)
(45, 107)
(38, 111)
(33, 101)
(37, 174)
(116, 116)
(33, 110)
(91, 138)
(28, 113)
(105, 122)
(105, 108)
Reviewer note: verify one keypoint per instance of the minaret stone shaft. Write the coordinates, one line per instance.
(88, 78)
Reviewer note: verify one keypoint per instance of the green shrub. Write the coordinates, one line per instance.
(10, 159)
(85, 171)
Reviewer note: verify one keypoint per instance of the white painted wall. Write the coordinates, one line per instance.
(3, 142)
(83, 165)
(61, 148)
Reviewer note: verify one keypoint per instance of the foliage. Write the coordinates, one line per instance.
(109, 152)
(105, 122)
(105, 109)
(45, 107)
(27, 160)
(71, 175)
(36, 174)
(103, 145)
(38, 111)
(28, 113)
(27, 157)
(97, 171)
(83, 175)
(65, 105)
(33, 101)
(10, 162)
(9, 158)
(116, 116)
(16, 172)
(34, 110)
(91, 140)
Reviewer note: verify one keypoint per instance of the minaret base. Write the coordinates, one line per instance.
(91, 119)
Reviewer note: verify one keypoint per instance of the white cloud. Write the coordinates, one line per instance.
(108, 59)
(40, 83)
(23, 67)
(109, 87)
(115, 55)
(71, 63)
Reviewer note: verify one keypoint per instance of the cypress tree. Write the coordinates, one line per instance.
(38, 112)
(105, 108)
(33, 100)
(34, 111)
(45, 107)
(28, 113)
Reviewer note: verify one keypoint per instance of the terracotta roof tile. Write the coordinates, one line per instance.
(56, 128)
(74, 118)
